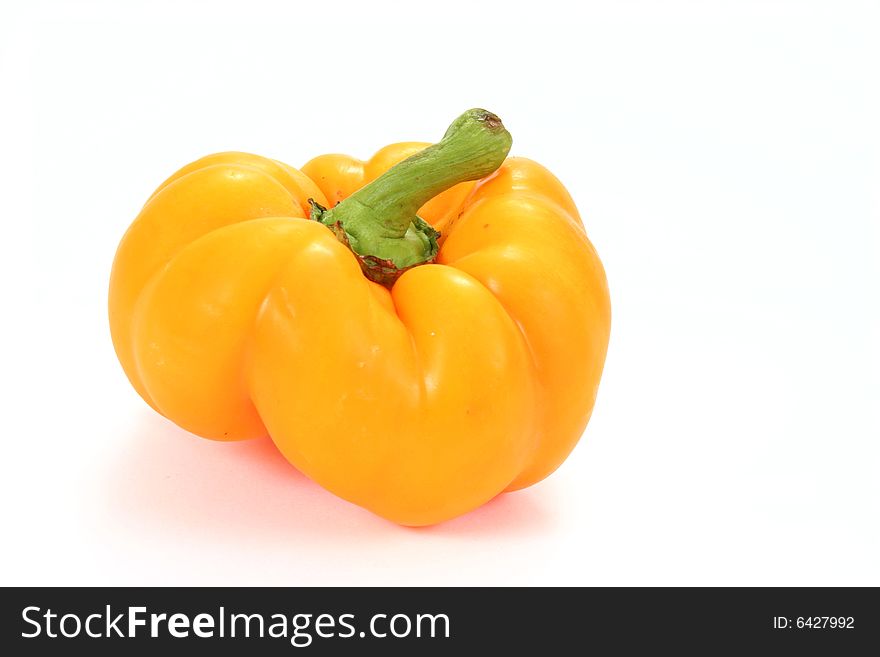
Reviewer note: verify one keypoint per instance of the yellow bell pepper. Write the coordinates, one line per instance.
(417, 333)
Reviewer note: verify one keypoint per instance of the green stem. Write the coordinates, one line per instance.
(379, 222)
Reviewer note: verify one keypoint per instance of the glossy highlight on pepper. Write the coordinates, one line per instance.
(417, 333)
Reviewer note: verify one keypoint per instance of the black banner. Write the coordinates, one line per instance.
(278, 621)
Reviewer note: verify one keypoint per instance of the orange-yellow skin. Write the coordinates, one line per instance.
(235, 317)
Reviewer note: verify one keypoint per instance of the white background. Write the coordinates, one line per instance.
(725, 159)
